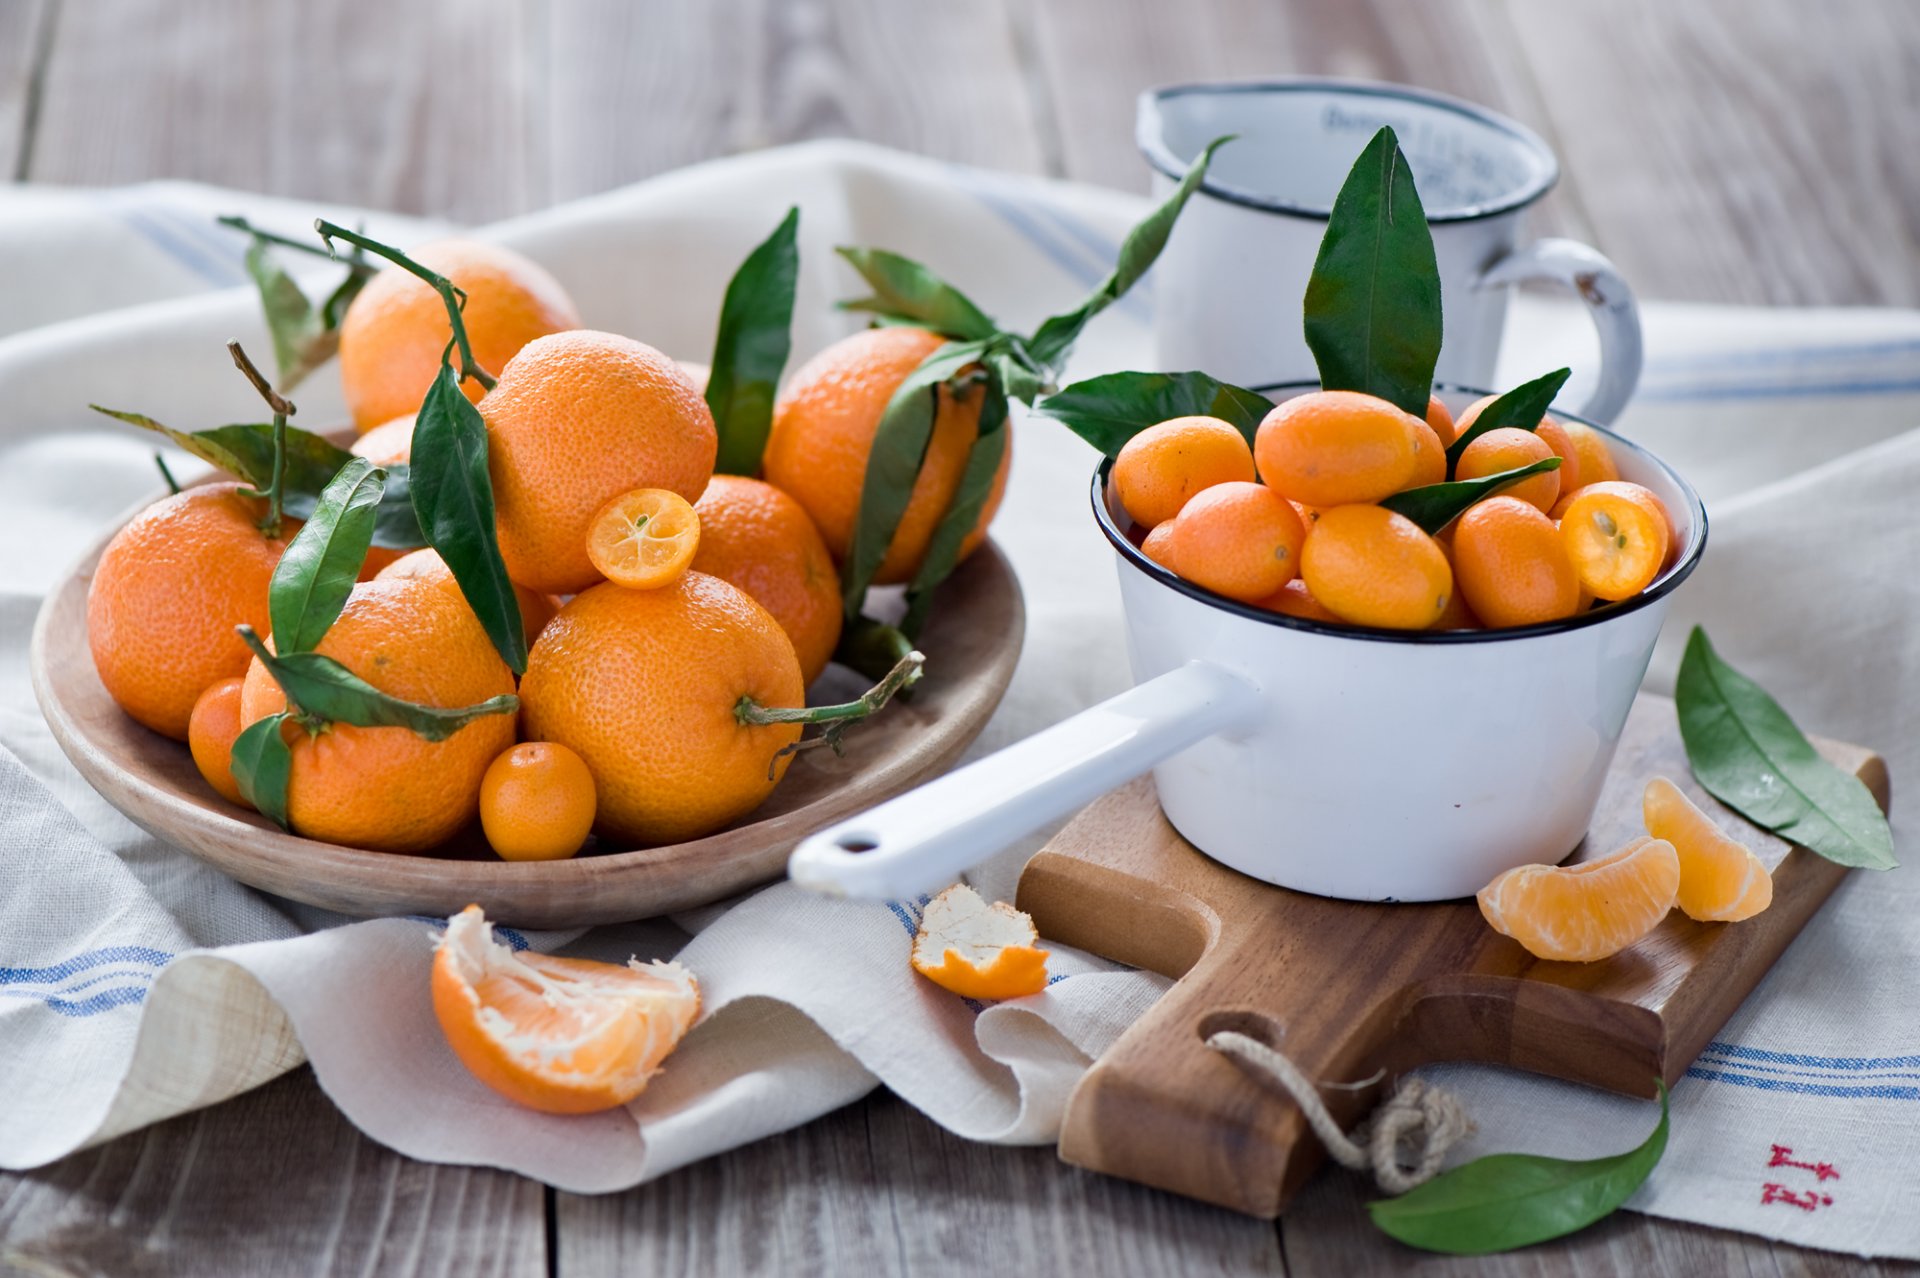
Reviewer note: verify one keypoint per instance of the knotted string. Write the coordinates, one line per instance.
(1423, 1118)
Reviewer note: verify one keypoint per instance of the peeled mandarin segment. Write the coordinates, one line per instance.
(1241, 540)
(1510, 448)
(1373, 567)
(1586, 912)
(978, 950)
(1616, 536)
(566, 1036)
(1334, 448)
(1511, 564)
(644, 539)
(1160, 469)
(1721, 880)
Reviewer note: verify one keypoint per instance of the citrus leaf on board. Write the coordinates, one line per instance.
(905, 292)
(317, 571)
(751, 348)
(1109, 410)
(1521, 408)
(1434, 506)
(261, 763)
(1750, 755)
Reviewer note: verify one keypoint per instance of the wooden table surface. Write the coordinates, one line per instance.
(1751, 151)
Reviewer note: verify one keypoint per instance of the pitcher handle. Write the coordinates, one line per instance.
(922, 840)
(1609, 301)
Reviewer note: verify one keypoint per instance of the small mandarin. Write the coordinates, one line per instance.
(1374, 567)
(1238, 539)
(1511, 564)
(1334, 448)
(1510, 448)
(1163, 466)
(1616, 537)
(1430, 457)
(1596, 458)
(537, 802)
(1441, 420)
(210, 735)
(1295, 600)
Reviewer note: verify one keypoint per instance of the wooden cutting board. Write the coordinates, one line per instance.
(1348, 989)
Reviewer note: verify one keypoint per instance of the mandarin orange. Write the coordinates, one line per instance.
(761, 540)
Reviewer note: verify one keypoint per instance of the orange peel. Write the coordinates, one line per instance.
(976, 949)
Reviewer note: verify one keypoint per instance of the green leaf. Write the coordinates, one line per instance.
(261, 763)
(321, 687)
(316, 574)
(1108, 411)
(1434, 506)
(756, 335)
(906, 292)
(1373, 300)
(969, 499)
(1013, 370)
(208, 446)
(871, 647)
(1521, 408)
(1749, 755)
(899, 446)
(1055, 338)
(291, 320)
(1514, 1200)
(453, 499)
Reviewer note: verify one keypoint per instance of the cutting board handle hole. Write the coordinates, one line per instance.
(1258, 1026)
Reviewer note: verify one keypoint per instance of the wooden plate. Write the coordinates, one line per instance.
(972, 641)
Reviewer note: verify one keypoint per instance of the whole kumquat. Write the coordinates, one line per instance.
(1160, 469)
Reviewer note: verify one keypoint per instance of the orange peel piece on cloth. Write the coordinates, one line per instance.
(978, 950)
(561, 1035)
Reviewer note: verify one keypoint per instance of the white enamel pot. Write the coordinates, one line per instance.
(1369, 765)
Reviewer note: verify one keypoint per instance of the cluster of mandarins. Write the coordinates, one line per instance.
(1293, 523)
(655, 594)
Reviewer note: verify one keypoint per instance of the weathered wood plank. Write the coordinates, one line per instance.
(638, 89)
(24, 31)
(422, 108)
(879, 1189)
(275, 1182)
(1741, 150)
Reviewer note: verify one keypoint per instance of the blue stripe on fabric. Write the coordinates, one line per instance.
(1798, 1087)
(1788, 1071)
(150, 225)
(1817, 1062)
(81, 962)
(105, 1001)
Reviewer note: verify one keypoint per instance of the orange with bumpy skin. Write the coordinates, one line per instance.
(1160, 469)
(560, 1035)
(1721, 880)
(1374, 567)
(643, 685)
(210, 736)
(1336, 448)
(1616, 536)
(823, 428)
(537, 802)
(1238, 539)
(761, 540)
(167, 594)
(1510, 448)
(1586, 912)
(1511, 565)
(394, 331)
(389, 788)
(387, 443)
(577, 419)
(536, 610)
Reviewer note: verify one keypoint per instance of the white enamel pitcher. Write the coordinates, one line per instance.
(1228, 288)
(1370, 765)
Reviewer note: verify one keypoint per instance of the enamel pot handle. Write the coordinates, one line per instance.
(922, 840)
(1609, 301)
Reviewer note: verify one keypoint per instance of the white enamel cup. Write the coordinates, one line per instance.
(1228, 289)
(1370, 765)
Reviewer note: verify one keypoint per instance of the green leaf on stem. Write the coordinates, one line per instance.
(1434, 506)
(291, 320)
(317, 572)
(905, 292)
(899, 446)
(871, 647)
(969, 500)
(261, 763)
(319, 687)
(1506, 1201)
(1013, 370)
(1373, 300)
(1109, 410)
(1749, 755)
(749, 352)
(1522, 408)
(1053, 340)
(453, 500)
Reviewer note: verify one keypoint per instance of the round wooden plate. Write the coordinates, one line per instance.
(972, 641)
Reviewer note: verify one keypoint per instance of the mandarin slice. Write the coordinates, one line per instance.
(976, 949)
(644, 539)
(1586, 912)
(1721, 880)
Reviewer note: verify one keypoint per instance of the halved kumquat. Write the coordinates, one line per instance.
(644, 539)
(1616, 537)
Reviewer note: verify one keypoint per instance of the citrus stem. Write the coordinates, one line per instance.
(173, 485)
(313, 723)
(454, 298)
(282, 409)
(871, 647)
(836, 718)
(357, 265)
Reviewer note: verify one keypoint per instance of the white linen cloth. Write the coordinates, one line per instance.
(136, 983)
